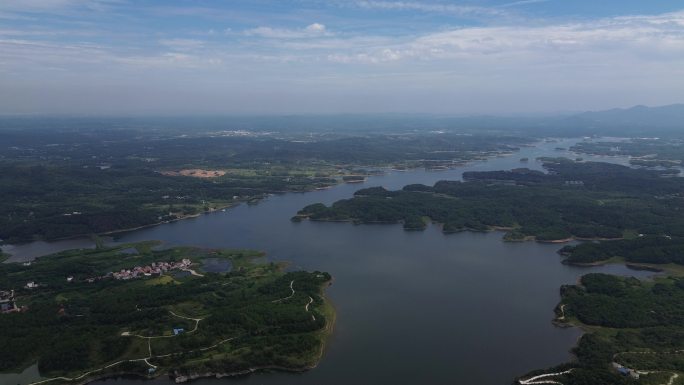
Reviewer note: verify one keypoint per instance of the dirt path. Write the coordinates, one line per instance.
(289, 296)
(671, 381)
(145, 360)
(313, 317)
(193, 272)
(562, 316)
(674, 375)
(544, 379)
(150, 356)
(673, 378)
(197, 321)
(306, 307)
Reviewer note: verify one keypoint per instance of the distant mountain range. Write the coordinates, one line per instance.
(665, 117)
(634, 121)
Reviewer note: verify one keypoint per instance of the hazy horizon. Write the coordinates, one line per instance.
(310, 57)
(369, 115)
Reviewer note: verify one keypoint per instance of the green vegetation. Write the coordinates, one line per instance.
(252, 317)
(634, 325)
(575, 199)
(81, 201)
(645, 250)
(68, 181)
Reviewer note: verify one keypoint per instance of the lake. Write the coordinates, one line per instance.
(412, 307)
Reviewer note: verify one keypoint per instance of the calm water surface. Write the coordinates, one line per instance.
(413, 307)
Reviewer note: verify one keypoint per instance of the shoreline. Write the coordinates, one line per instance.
(252, 200)
(114, 232)
(652, 267)
(490, 229)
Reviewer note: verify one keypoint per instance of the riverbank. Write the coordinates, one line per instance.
(504, 229)
(668, 269)
(217, 207)
(127, 229)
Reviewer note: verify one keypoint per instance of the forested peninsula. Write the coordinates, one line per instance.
(635, 332)
(581, 200)
(139, 310)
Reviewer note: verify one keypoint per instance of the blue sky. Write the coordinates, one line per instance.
(358, 56)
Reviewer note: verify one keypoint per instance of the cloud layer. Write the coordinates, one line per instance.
(312, 60)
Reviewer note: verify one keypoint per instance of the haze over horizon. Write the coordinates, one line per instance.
(321, 57)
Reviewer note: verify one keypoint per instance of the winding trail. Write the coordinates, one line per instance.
(306, 307)
(671, 381)
(673, 378)
(193, 272)
(289, 296)
(562, 316)
(313, 317)
(145, 360)
(674, 375)
(542, 379)
(149, 339)
(197, 321)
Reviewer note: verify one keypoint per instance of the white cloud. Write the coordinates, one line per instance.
(642, 36)
(54, 5)
(29, 5)
(523, 2)
(512, 64)
(315, 28)
(461, 10)
(183, 44)
(310, 31)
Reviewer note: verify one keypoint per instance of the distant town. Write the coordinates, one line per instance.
(156, 268)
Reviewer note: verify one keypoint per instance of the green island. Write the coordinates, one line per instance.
(139, 310)
(574, 200)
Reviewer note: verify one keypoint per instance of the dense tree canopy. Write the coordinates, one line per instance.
(582, 200)
(70, 327)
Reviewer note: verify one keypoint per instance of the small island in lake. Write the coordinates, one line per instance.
(184, 312)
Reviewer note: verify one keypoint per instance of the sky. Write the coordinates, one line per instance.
(469, 57)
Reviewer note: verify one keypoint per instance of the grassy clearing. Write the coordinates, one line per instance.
(161, 280)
